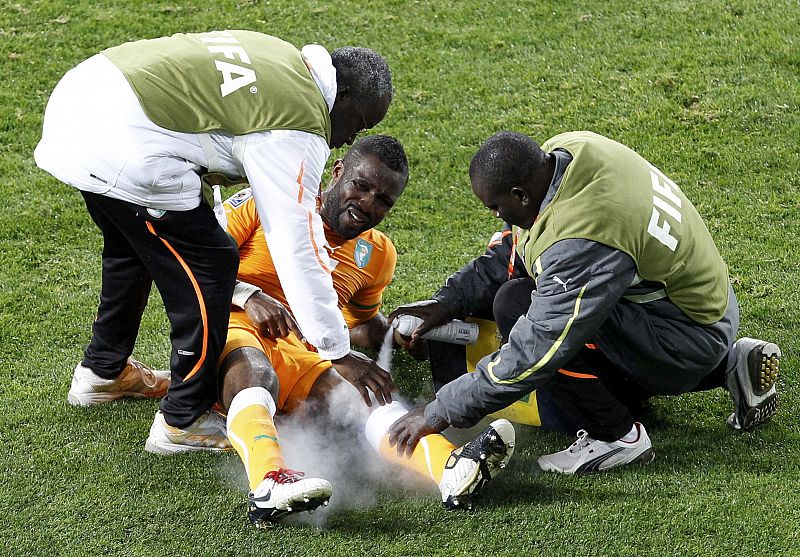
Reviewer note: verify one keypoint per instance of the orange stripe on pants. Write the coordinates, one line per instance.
(577, 375)
(200, 300)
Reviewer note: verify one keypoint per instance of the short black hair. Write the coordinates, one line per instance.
(386, 148)
(364, 72)
(506, 160)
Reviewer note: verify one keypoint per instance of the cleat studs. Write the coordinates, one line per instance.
(289, 509)
(482, 456)
(306, 499)
(325, 503)
(511, 445)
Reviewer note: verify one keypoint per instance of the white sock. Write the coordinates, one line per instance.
(249, 396)
(380, 420)
(632, 435)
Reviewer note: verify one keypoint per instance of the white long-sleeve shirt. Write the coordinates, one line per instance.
(97, 138)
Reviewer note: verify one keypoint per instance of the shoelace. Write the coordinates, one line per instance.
(147, 375)
(284, 476)
(581, 442)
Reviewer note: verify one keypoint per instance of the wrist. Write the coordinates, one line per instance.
(242, 292)
(449, 304)
(434, 418)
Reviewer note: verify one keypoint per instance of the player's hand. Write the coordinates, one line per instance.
(432, 313)
(270, 317)
(365, 375)
(406, 432)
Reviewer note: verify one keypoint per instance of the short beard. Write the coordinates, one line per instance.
(331, 212)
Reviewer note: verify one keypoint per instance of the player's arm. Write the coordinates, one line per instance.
(370, 333)
(269, 315)
(579, 285)
(468, 291)
(241, 223)
(241, 218)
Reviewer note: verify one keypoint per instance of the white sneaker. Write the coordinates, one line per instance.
(587, 455)
(206, 433)
(472, 465)
(283, 492)
(136, 380)
(751, 383)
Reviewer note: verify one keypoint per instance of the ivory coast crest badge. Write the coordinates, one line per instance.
(362, 252)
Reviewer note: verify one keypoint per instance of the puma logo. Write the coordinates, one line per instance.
(561, 282)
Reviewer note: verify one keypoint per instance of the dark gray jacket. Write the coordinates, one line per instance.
(644, 334)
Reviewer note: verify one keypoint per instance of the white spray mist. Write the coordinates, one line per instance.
(327, 441)
(385, 353)
(331, 445)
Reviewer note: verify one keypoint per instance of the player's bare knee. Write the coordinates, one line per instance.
(244, 368)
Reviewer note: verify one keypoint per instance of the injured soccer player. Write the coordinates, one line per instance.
(267, 367)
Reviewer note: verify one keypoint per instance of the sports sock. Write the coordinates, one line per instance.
(631, 436)
(430, 454)
(252, 433)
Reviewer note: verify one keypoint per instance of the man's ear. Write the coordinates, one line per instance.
(521, 195)
(336, 170)
(342, 91)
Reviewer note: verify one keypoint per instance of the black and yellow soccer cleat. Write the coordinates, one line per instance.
(472, 465)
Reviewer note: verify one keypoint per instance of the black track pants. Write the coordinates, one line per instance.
(193, 263)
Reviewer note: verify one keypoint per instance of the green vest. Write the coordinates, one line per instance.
(234, 81)
(610, 194)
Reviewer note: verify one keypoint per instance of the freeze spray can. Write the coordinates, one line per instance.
(456, 332)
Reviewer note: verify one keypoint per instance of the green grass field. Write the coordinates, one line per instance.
(707, 91)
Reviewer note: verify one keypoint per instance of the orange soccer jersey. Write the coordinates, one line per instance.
(362, 268)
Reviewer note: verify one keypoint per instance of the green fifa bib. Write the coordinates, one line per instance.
(233, 81)
(611, 195)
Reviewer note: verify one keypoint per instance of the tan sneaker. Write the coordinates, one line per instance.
(206, 433)
(136, 380)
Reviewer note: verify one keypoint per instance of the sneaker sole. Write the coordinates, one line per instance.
(91, 399)
(595, 466)
(756, 415)
(763, 367)
(764, 374)
(267, 518)
(168, 449)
